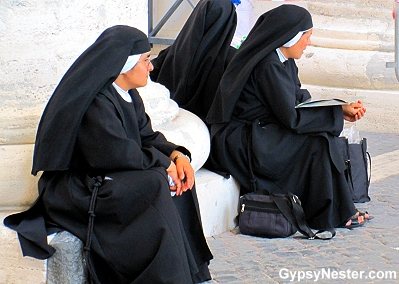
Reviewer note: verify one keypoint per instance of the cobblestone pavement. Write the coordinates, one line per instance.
(369, 254)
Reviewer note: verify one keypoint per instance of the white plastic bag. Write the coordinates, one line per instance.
(352, 133)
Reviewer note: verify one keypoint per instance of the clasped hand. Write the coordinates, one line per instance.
(182, 174)
(353, 111)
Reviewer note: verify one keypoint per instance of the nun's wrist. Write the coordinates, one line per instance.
(181, 155)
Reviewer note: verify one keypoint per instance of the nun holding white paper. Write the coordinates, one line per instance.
(255, 125)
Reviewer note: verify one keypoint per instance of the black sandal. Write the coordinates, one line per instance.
(364, 215)
(354, 223)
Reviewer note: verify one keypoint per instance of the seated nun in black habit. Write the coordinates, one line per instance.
(192, 66)
(99, 154)
(261, 139)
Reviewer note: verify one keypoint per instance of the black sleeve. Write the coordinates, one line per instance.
(280, 92)
(103, 142)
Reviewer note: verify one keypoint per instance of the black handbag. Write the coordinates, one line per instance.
(268, 215)
(358, 172)
(260, 216)
(265, 214)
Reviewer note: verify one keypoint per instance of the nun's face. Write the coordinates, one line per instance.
(138, 75)
(297, 49)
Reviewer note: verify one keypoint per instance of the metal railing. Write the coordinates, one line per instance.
(152, 32)
(396, 17)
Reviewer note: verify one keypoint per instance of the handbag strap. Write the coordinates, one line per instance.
(369, 171)
(367, 160)
(296, 216)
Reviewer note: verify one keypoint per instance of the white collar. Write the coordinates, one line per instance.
(281, 55)
(124, 94)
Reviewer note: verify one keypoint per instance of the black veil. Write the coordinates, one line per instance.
(95, 69)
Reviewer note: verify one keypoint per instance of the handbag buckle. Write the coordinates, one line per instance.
(296, 199)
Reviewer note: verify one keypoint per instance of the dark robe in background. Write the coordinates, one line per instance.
(192, 66)
(141, 234)
(254, 124)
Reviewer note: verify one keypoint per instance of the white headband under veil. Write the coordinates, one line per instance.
(130, 62)
(295, 39)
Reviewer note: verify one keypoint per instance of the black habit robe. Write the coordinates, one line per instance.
(192, 66)
(261, 139)
(140, 234)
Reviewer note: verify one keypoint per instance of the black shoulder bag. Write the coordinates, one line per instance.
(358, 171)
(269, 215)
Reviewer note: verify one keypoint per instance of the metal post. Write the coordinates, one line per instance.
(150, 16)
(396, 63)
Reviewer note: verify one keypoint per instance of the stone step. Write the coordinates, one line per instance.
(354, 26)
(14, 268)
(218, 201)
